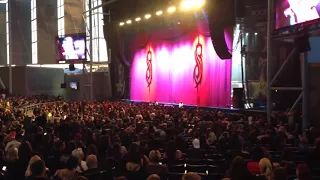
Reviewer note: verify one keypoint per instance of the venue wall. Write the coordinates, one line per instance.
(34, 80)
(3, 37)
(180, 65)
(74, 22)
(20, 31)
(47, 31)
(44, 80)
(101, 86)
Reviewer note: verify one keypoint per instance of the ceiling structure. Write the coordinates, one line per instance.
(123, 9)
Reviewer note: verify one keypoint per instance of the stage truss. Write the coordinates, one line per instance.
(88, 93)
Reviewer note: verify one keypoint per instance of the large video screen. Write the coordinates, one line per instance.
(74, 85)
(292, 12)
(72, 47)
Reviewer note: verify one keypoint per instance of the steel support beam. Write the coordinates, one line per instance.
(269, 59)
(296, 102)
(287, 88)
(91, 49)
(106, 3)
(282, 67)
(305, 91)
(10, 44)
(90, 10)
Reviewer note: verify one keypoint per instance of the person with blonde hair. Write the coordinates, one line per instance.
(153, 177)
(12, 154)
(266, 168)
(82, 165)
(155, 167)
(32, 160)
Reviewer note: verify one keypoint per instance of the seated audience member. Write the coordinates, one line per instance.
(12, 154)
(154, 167)
(196, 143)
(12, 163)
(239, 170)
(135, 163)
(32, 160)
(153, 177)
(303, 172)
(172, 153)
(280, 173)
(10, 141)
(54, 157)
(191, 176)
(69, 172)
(211, 137)
(94, 172)
(82, 166)
(204, 144)
(38, 171)
(81, 178)
(256, 154)
(266, 168)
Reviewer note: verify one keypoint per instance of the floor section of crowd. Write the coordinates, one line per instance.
(123, 140)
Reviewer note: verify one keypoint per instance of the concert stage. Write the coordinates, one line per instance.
(180, 65)
(244, 111)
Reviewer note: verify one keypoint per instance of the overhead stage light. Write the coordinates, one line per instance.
(121, 24)
(138, 19)
(192, 4)
(171, 9)
(159, 13)
(129, 22)
(148, 16)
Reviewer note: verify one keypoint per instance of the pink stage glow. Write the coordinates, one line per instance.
(185, 70)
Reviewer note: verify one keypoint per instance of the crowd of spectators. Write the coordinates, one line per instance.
(122, 140)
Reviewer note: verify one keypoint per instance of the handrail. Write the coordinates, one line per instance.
(33, 106)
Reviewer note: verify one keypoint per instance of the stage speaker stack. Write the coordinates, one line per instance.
(221, 15)
(237, 98)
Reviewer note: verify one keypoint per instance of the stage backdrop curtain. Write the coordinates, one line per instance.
(170, 74)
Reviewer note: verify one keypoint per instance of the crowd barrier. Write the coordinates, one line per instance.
(33, 106)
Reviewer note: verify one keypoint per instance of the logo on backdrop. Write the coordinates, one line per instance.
(149, 68)
(198, 69)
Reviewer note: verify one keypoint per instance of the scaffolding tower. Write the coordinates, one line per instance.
(288, 35)
(88, 14)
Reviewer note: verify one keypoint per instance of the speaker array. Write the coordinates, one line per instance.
(222, 15)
